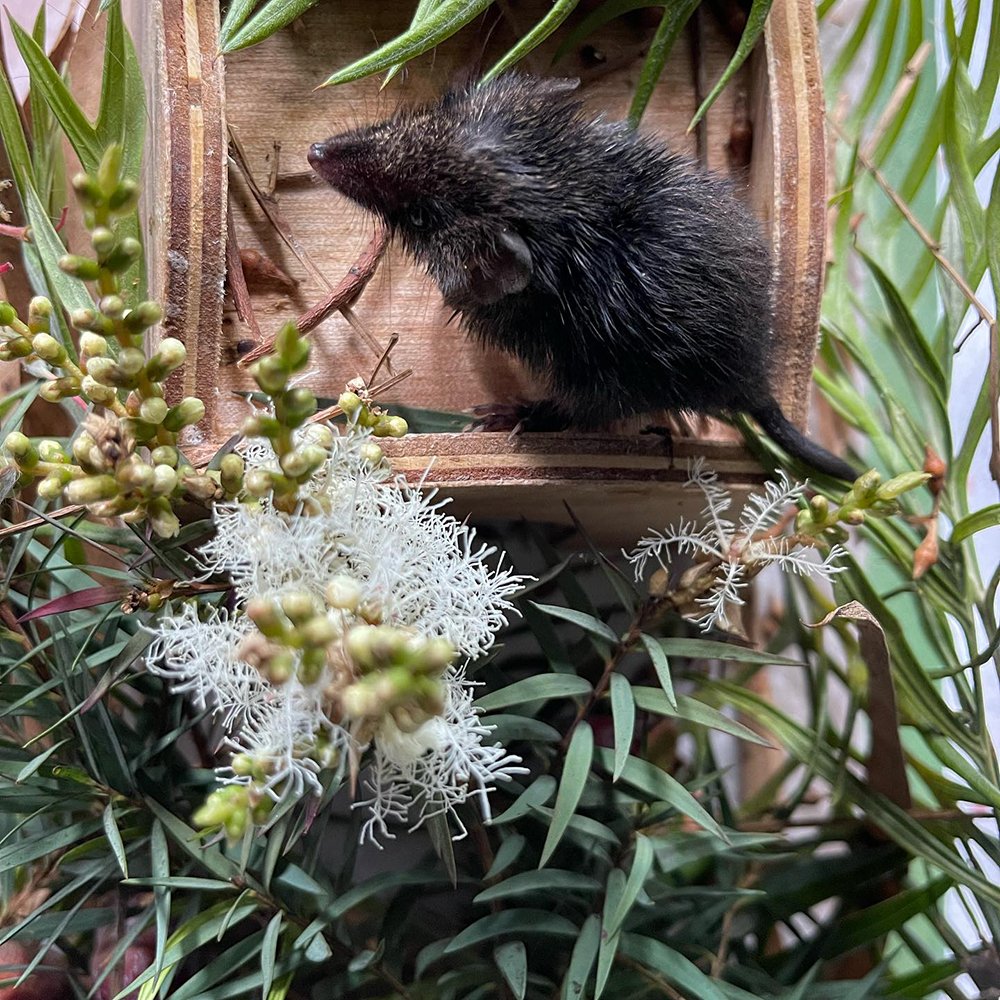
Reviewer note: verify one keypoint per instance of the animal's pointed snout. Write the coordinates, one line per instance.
(317, 153)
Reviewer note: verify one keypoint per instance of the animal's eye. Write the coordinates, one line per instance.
(418, 217)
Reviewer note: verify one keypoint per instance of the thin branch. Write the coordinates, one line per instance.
(898, 96)
(269, 206)
(335, 411)
(237, 279)
(350, 287)
(37, 522)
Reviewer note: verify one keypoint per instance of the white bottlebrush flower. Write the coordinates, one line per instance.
(415, 568)
(739, 550)
(433, 770)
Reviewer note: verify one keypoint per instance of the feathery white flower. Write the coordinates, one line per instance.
(415, 568)
(736, 547)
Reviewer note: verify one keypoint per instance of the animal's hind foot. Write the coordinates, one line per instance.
(516, 418)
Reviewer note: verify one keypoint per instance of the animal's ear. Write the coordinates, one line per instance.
(557, 87)
(492, 275)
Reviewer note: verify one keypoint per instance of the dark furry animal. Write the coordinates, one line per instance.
(629, 278)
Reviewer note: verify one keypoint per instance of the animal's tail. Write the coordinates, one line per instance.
(785, 433)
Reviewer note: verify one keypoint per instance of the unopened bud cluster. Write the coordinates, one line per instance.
(125, 462)
(868, 497)
(369, 670)
(302, 450)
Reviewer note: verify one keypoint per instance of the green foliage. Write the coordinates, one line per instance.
(621, 863)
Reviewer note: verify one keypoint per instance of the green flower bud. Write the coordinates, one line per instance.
(291, 347)
(298, 405)
(141, 430)
(49, 349)
(52, 451)
(855, 517)
(266, 615)
(820, 507)
(231, 473)
(188, 411)
(866, 485)
(91, 320)
(124, 198)
(103, 370)
(21, 450)
(164, 480)
(299, 606)
(394, 427)
(312, 664)
(93, 345)
(7, 314)
(88, 190)
(261, 425)
(135, 474)
(50, 488)
(270, 374)
(60, 388)
(201, 487)
(91, 489)
(112, 306)
(143, 316)
(39, 314)
(245, 766)
(162, 519)
(110, 168)
(319, 631)
(153, 409)
(350, 403)
(131, 361)
(97, 392)
(123, 255)
(342, 592)
(370, 452)
(102, 240)
(165, 454)
(79, 267)
(899, 485)
(319, 435)
(280, 668)
(169, 355)
(437, 654)
(82, 448)
(359, 701)
(258, 482)
(18, 347)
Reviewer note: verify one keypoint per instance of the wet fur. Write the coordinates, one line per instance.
(629, 278)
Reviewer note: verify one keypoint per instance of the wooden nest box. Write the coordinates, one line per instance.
(766, 129)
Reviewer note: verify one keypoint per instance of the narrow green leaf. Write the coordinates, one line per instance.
(623, 716)
(558, 13)
(509, 728)
(988, 517)
(587, 622)
(272, 17)
(536, 794)
(14, 141)
(582, 959)
(443, 22)
(675, 16)
(269, 951)
(115, 838)
(507, 853)
(642, 864)
(576, 767)
(759, 10)
(959, 139)
(712, 649)
(36, 762)
(537, 688)
(609, 942)
(673, 966)
(380, 883)
(160, 867)
(522, 921)
(662, 787)
(550, 880)
(192, 882)
(60, 102)
(31, 848)
(691, 710)
(236, 15)
(661, 664)
(512, 960)
(424, 8)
